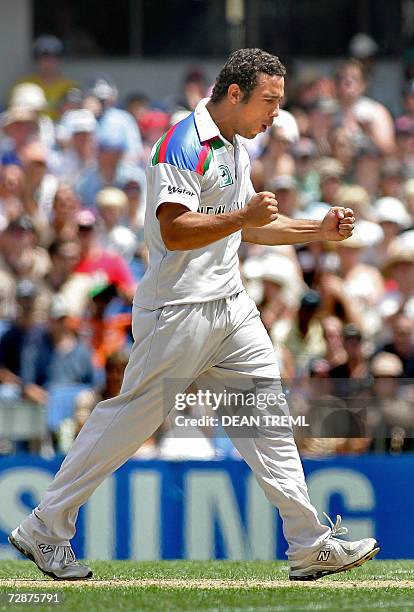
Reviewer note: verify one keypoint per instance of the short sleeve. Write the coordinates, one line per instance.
(250, 191)
(172, 184)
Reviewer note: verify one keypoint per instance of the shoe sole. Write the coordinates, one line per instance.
(344, 568)
(29, 555)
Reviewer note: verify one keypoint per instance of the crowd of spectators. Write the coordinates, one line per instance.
(72, 251)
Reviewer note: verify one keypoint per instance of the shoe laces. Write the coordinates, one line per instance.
(336, 529)
(64, 554)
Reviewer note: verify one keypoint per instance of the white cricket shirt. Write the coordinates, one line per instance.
(194, 165)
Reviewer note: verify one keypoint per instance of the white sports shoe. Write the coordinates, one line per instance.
(58, 562)
(334, 555)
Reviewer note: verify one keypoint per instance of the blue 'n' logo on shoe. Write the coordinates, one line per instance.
(323, 555)
(45, 548)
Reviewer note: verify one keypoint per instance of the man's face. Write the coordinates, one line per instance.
(350, 83)
(257, 114)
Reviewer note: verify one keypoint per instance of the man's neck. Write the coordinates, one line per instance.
(221, 117)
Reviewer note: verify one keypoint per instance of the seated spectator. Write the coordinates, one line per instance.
(391, 411)
(274, 282)
(362, 282)
(356, 363)
(330, 173)
(47, 52)
(31, 97)
(285, 189)
(112, 120)
(108, 170)
(86, 401)
(57, 357)
(62, 223)
(305, 338)
(12, 342)
(405, 144)
(11, 191)
(361, 116)
(342, 149)
(334, 299)
(78, 153)
(62, 280)
(401, 343)
(393, 218)
(391, 179)
(132, 182)
(357, 198)
(39, 186)
(100, 265)
(20, 126)
(20, 257)
(321, 115)
(304, 153)
(112, 235)
(335, 353)
(275, 159)
(367, 166)
(104, 331)
(398, 270)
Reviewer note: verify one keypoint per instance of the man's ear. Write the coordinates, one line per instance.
(234, 94)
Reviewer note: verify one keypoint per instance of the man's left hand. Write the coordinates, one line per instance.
(338, 223)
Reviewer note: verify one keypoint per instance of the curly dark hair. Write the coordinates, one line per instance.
(242, 68)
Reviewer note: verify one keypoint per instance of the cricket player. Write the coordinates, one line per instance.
(192, 319)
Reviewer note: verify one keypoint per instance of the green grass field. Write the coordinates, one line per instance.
(215, 586)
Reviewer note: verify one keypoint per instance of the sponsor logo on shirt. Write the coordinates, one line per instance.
(173, 189)
(220, 209)
(225, 176)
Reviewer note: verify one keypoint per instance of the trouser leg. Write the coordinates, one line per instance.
(118, 426)
(248, 355)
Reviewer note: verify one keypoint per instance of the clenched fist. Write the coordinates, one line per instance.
(338, 223)
(260, 210)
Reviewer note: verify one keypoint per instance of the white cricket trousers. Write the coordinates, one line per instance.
(221, 340)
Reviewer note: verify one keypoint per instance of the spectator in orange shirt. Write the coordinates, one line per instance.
(104, 331)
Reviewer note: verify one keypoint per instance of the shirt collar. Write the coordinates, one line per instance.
(206, 127)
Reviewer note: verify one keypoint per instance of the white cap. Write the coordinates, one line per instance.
(288, 123)
(365, 234)
(79, 120)
(362, 45)
(123, 241)
(392, 209)
(278, 269)
(28, 96)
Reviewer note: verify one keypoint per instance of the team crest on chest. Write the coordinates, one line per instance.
(225, 177)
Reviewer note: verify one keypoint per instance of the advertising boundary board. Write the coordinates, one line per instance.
(152, 509)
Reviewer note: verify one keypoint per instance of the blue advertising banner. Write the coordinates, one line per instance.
(214, 509)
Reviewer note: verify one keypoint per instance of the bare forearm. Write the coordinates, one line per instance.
(196, 230)
(285, 231)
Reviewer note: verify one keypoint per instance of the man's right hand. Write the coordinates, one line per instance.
(260, 210)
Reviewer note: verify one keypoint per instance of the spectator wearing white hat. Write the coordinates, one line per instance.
(398, 269)
(112, 205)
(274, 282)
(79, 153)
(393, 218)
(19, 127)
(31, 97)
(362, 282)
(115, 120)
